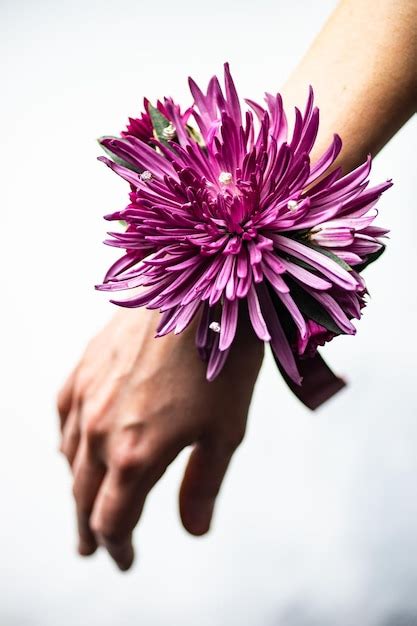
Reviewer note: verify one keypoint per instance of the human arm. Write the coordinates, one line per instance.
(132, 404)
(135, 402)
(363, 68)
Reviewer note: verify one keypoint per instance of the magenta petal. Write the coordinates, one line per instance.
(276, 281)
(217, 360)
(332, 237)
(256, 317)
(305, 276)
(279, 341)
(329, 268)
(232, 97)
(326, 159)
(121, 265)
(125, 173)
(259, 110)
(168, 321)
(295, 312)
(138, 153)
(139, 300)
(187, 313)
(228, 323)
(349, 257)
(235, 210)
(200, 102)
(203, 326)
(335, 310)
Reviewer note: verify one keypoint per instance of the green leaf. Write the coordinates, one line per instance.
(313, 309)
(194, 134)
(159, 122)
(116, 158)
(371, 258)
(298, 235)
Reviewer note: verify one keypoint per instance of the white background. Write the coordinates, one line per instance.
(316, 524)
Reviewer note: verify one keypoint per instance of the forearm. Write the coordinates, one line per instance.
(362, 66)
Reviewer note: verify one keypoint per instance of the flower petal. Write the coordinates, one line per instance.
(228, 323)
(256, 317)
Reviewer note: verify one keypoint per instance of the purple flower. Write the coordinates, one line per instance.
(232, 214)
(142, 127)
(316, 335)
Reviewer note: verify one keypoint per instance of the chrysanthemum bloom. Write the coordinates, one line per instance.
(233, 212)
(143, 127)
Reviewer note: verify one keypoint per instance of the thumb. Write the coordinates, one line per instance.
(202, 480)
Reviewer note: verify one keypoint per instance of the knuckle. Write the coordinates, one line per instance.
(124, 452)
(112, 536)
(93, 427)
(132, 455)
(126, 460)
(106, 533)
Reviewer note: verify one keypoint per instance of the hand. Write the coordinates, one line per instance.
(130, 406)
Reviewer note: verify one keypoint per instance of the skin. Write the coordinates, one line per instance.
(133, 402)
(363, 67)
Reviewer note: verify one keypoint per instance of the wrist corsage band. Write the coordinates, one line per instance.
(227, 208)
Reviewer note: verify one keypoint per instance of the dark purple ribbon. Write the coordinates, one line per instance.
(319, 382)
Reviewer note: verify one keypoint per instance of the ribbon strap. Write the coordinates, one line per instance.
(319, 382)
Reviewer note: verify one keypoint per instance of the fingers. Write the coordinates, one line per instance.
(88, 476)
(201, 484)
(116, 513)
(64, 399)
(121, 499)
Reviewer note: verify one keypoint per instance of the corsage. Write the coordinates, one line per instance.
(226, 210)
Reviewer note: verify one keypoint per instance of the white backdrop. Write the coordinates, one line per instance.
(316, 524)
